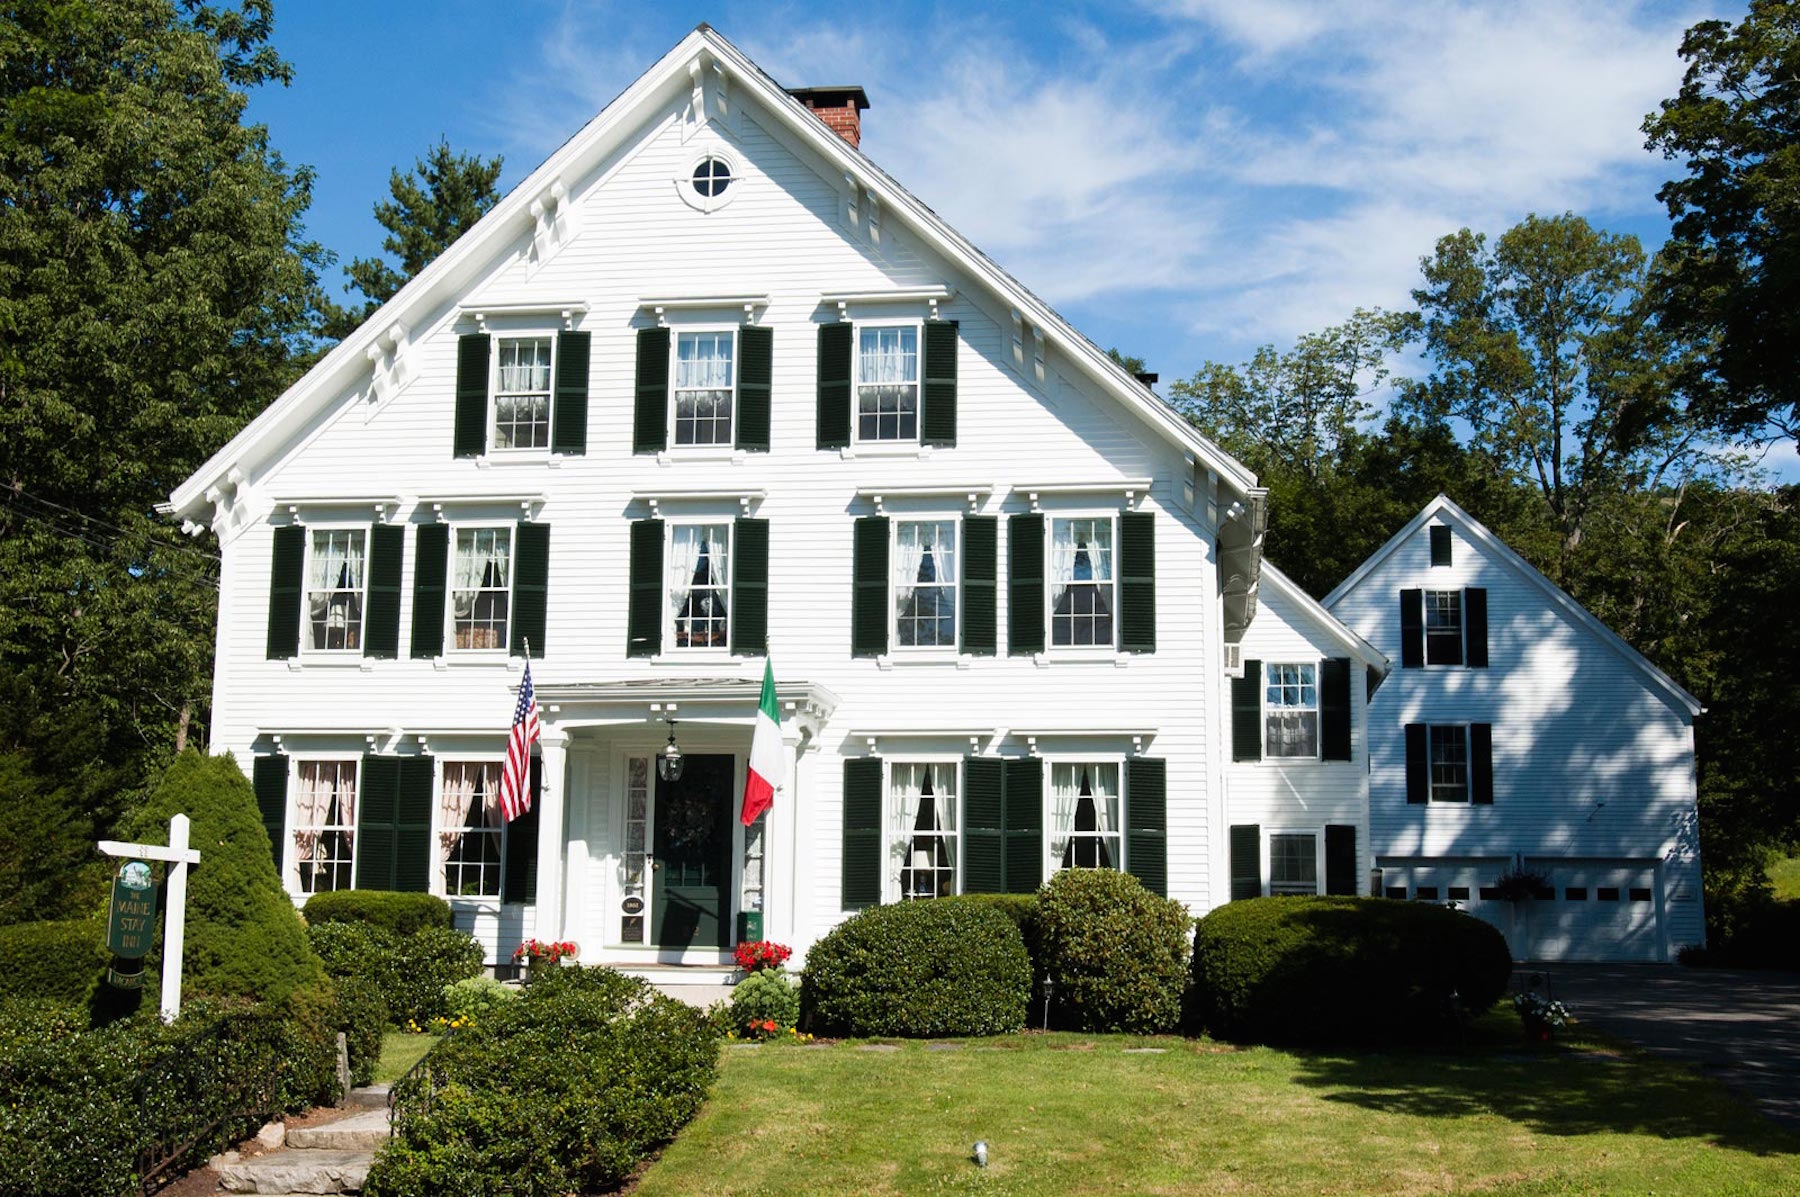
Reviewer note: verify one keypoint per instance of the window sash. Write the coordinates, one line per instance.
(887, 383)
(699, 585)
(481, 593)
(1291, 710)
(705, 385)
(471, 832)
(1293, 863)
(1082, 579)
(923, 861)
(1099, 848)
(334, 593)
(324, 825)
(522, 374)
(1443, 627)
(925, 611)
(1448, 753)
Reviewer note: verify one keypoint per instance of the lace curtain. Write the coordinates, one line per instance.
(1097, 786)
(889, 356)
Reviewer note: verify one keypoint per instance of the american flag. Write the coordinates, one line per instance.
(515, 783)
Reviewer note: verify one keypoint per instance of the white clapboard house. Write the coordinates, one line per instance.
(1518, 735)
(709, 388)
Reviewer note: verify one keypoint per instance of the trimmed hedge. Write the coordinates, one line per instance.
(409, 971)
(565, 1090)
(1115, 953)
(400, 912)
(918, 970)
(363, 1018)
(81, 1105)
(60, 961)
(1343, 970)
(473, 999)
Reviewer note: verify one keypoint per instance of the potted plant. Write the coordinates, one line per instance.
(536, 954)
(763, 954)
(1542, 1017)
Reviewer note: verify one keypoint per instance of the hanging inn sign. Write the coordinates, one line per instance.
(131, 915)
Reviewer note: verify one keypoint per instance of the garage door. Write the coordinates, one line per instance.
(1592, 910)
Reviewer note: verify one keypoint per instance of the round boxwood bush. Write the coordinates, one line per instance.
(400, 912)
(1343, 970)
(764, 997)
(919, 969)
(474, 998)
(1116, 955)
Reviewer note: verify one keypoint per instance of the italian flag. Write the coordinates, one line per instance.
(765, 752)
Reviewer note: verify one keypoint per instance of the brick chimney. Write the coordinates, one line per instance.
(841, 108)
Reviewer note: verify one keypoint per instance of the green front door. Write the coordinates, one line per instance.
(690, 904)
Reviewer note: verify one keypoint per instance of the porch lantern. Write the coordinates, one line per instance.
(669, 761)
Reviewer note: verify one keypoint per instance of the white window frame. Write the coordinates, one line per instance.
(670, 649)
(690, 195)
(1111, 648)
(512, 575)
(1052, 858)
(692, 330)
(440, 882)
(1431, 798)
(290, 853)
(1316, 831)
(1318, 746)
(362, 629)
(493, 405)
(917, 651)
(890, 876)
(1462, 628)
(856, 384)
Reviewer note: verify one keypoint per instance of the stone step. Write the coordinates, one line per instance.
(365, 1130)
(313, 1170)
(368, 1096)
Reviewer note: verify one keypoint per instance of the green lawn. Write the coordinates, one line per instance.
(400, 1050)
(1785, 874)
(1077, 1114)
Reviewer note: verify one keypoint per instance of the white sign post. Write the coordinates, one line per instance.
(178, 856)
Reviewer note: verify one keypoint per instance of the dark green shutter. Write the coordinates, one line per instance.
(1334, 709)
(869, 602)
(644, 635)
(984, 825)
(1475, 625)
(756, 364)
(1147, 822)
(1418, 763)
(568, 423)
(1246, 713)
(377, 819)
(531, 588)
(938, 422)
(981, 534)
(1025, 584)
(518, 865)
(412, 824)
(1440, 544)
(269, 777)
(381, 625)
(650, 422)
(835, 343)
(471, 395)
(750, 589)
(287, 575)
(1024, 825)
(1481, 763)
(1246, 861)
(431, 566)
(1412, 629)
(1340, 859)
(1137, 581)
(862, 832)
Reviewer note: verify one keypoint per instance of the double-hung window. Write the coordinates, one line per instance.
(1081, 582)
(1084, 815)
(334, 594)
(1449, 757)
(1291, 711)
(922, 839)
(925, 574)
(700, 585)
(1443, 627)
(705, 385)
(470, 829)
(1293, 863)
(324, 826)
(481, 592)
(887, 383)
(522, 393)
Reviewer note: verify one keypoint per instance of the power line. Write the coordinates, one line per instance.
(19, 492)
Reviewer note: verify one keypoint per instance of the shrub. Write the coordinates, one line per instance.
(83, 1104)
(474, 999)
(401, 913)
(565, 1090)
(919, 969)
(244, 937)
(409, 971)
(764, 996)
(362, 1017)
(60, 961)
(1115, 953)
(1343, 970)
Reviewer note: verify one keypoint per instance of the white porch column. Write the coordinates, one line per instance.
(552, 834)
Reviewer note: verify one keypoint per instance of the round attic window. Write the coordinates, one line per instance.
(711, 177)
(710, 181)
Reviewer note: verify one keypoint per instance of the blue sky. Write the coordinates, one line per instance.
(1185, 179)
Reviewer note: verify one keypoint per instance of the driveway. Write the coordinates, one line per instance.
(1740, 1026)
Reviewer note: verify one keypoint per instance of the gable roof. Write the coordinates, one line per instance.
(350, 360)
(1498, 550)
(1294, 593)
